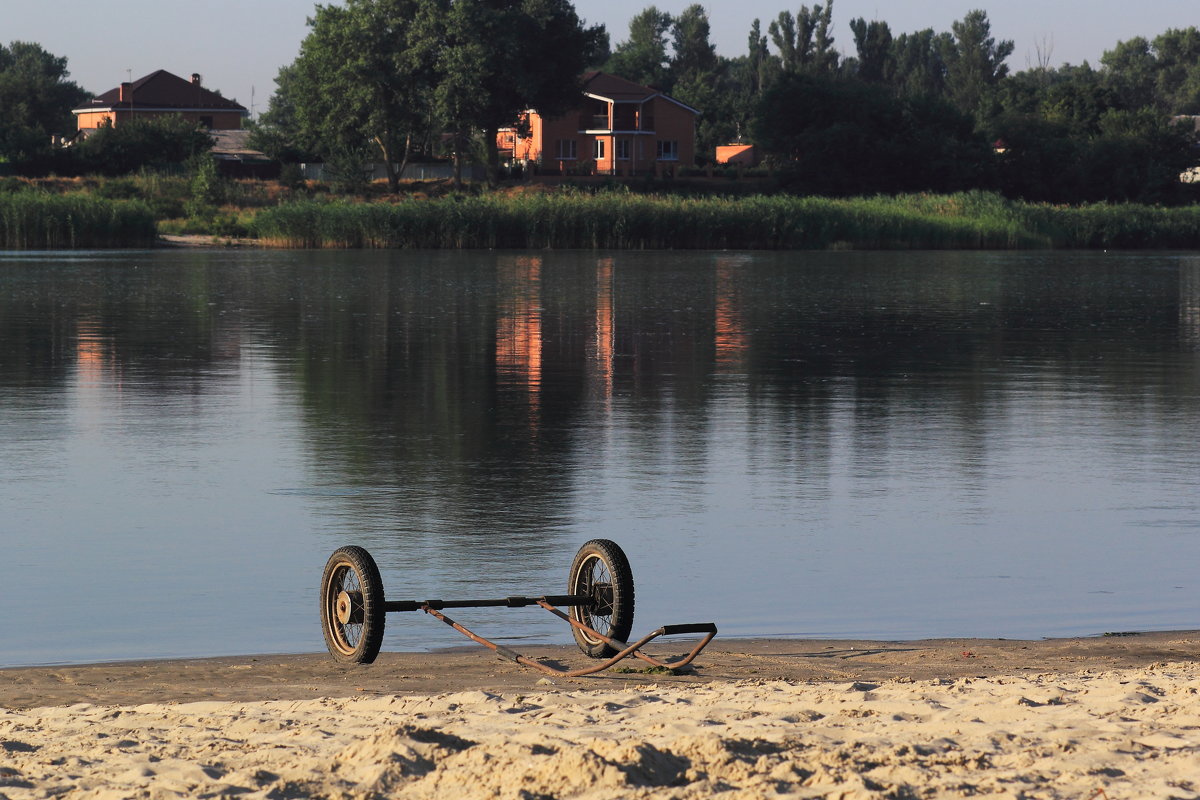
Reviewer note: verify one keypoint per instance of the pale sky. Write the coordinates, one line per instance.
(239, 45)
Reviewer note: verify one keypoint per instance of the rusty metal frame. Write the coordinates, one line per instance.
(624, 650)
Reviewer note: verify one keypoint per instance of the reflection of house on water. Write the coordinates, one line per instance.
(729, 338)
(519, 327)
(601, 352)
(91, 353)
(1189, 302)
(96, 375)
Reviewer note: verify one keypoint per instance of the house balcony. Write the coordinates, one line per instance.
(627, 121)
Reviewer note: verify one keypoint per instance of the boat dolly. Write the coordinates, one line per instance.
(599, 604)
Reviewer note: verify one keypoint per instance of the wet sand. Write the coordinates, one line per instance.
(296, 677)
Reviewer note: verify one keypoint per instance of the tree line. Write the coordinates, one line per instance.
(880, 112)
(931, 111)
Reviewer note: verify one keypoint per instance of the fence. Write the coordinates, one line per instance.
(434, 171)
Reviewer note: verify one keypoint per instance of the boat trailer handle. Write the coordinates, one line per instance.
(695, 627)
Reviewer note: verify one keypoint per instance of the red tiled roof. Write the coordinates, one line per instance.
(162, 90)
(619, 90)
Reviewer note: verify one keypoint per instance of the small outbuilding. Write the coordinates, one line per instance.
(742, 155)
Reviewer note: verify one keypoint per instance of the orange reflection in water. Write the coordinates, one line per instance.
(92, 359)
(602, 353)
(519, 324)
(731, 342)
(97, 376)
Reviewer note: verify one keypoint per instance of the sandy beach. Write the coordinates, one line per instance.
(1104, 717)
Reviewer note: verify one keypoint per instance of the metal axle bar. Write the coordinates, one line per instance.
(584, 600)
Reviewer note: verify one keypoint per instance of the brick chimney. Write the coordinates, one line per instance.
(126, 93)
(195, 78)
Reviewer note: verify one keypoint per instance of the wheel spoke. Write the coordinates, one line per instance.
(347, 633)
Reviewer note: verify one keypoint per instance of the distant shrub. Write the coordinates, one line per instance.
(119, 189)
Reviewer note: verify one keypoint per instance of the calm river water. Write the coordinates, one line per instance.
(890, 445)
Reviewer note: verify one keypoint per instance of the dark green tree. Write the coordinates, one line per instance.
(1163, 73)
(699, 78)
(1177, 83)
(642, 58)
(835, 136)
(873, 42)
(805, 41)
(916, 65)
(760, 64)
(1034, 161)
(694, 55)
(1130, 71)
(354, 83)
(727, 113)
(1137, 156)
(974, 61)
(35, 101)
(1073, 97)
(279, 131)
(499, 58)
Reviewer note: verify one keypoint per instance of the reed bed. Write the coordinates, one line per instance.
(617, 220)
(36, 220)
(1117, 227)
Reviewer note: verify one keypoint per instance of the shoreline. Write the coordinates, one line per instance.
(252, 678)
(207, 242)
(1068, 719)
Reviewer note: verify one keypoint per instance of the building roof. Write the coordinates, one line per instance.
(603, 86)
(235, 146)
(163, 91)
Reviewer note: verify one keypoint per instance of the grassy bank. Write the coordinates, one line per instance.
(973, 220)
(34, 220)
(121, 212)
(628, 221)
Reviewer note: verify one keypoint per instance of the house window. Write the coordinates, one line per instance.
(668, 150)
(598, 150)
(206, 122)
(568, 149)
(623, 149)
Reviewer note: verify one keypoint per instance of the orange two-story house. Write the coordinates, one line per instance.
(157, 94)
(620, 128)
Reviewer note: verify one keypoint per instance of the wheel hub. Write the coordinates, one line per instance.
(602, 599)
(348, 607)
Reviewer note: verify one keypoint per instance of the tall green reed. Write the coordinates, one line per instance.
(622, 220)
(34, 220)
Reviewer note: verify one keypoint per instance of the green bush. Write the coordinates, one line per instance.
(120, 189)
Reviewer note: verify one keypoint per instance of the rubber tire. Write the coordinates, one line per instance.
(620, 623)
(366, 647)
